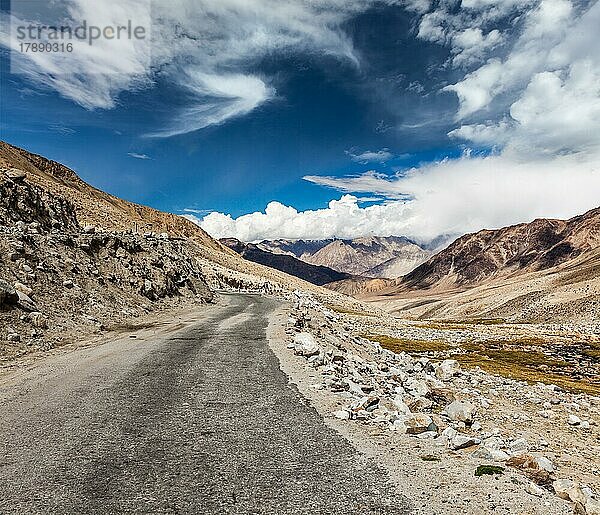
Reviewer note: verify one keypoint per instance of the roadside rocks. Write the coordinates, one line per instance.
(427, 400)
(8, 294)
(447, 369)
(460, 411)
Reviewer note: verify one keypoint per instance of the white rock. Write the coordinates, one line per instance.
(499, 455)
(305, 345)
(574, 420)
(518, 446)
(568, 490)
(447, 369)
(534, 489)
(460, 411)
(342, 414)
(418, 386)
(544, 464)
(399, 404)
(463, 441)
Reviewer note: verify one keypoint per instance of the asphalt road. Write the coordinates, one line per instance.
(200, 420)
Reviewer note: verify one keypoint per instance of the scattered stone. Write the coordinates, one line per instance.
(461, 441)
(574, 420)
(68, 283)
(342, 414)
(419, 423)
(460, 411)
(447, 369)
(534, 489)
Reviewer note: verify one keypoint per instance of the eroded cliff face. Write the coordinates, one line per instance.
(58, 276)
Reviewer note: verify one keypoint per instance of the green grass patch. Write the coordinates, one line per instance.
(488, 470)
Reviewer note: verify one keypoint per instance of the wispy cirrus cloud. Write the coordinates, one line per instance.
(370, 156)
(138, 156)
(206, 48)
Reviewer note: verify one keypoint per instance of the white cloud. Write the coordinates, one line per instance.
(448, 197)
(371, 156)
(207, 47)
(138, 156)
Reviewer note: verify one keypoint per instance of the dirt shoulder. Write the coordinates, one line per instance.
(438, 479)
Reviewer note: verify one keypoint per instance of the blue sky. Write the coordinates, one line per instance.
(378, 100)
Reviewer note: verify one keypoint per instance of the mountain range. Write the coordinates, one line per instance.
(546, 270)
(287, 263)
(371, 256)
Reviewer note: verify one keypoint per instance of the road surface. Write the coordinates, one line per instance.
(198, 420)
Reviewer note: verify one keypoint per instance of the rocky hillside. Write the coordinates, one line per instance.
(539, 245)
(286, 263)
(95, 207)
(297, 248)
(58, 278)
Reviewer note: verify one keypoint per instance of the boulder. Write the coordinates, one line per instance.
(8, 294)
(305, 345)
(568, 490)
(460, 411)
(15, 175)
(447, 369)
(419, 423)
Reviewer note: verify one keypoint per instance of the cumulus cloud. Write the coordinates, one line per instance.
(371, 156)
(447, 197)
(549, 81)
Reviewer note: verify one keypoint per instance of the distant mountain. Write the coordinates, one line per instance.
(371, 256)
(287, 263)
(297, 248)
(528, 247)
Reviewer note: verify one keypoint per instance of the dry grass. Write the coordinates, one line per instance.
(500, 357)
(346, 311)
(458, 324)
(409, 346)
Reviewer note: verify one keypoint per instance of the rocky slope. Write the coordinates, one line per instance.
(96, 207)
(59, 279)
(286, 263)
(539, 245)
